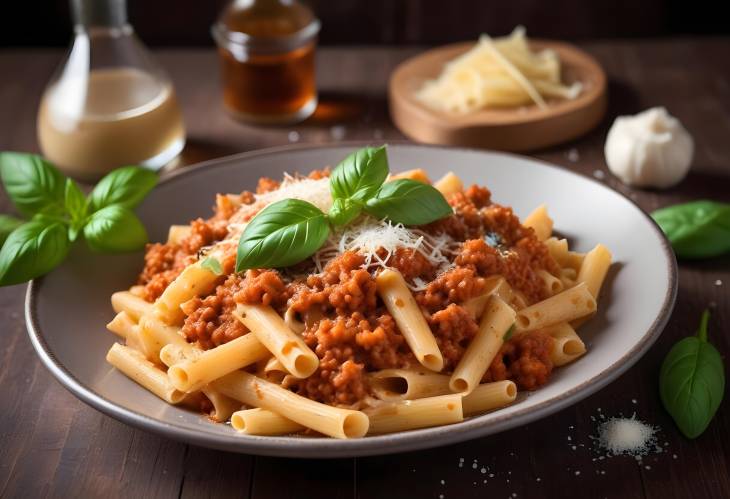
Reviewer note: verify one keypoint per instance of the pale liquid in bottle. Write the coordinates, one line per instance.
(119, 116)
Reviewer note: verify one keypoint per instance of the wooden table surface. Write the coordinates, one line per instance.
(51, 444)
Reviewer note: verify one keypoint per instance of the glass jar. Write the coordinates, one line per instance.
(266, 50)
(109, 104)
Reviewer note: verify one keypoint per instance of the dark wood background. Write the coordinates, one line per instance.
(187, 22)
(52, 445)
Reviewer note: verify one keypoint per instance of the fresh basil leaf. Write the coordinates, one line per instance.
(74, 200)
(7, 225)
(282, 234)
(509, 333)
(343, 211)
(360, 175)
(409, 202)
(125, 186)
(699, 229)
(213, 265)
(115, 229)
(32, 183)
(32, 250)
(692, 382)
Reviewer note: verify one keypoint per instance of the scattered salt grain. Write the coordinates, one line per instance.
(491, 475)
(441, 496)
(674, 456)
(377, 134)
(573, 155)
(443, 482)
(599, 174)
(474, 465)
(718, 283)
(483, 470)
(573, 447)
(538, 479)
(338, 132)
(577, 473)
(626, 436)
(633, 401)
(647, 467)
(294, 136)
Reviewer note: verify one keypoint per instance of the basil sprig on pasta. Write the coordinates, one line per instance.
(60, 213)
(291, 230)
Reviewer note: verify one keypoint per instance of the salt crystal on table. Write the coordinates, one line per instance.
(626, 436)
(573, 155)
(718, 283)
(293, 136)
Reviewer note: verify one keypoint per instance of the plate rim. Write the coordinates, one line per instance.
(373, 445)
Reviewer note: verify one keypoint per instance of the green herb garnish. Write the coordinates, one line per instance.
(692, 381)
(289, 231)
(699, 229)
(60, 212)
(213, 265)
(509, 333)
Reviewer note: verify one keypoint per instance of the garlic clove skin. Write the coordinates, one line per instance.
(650, 149)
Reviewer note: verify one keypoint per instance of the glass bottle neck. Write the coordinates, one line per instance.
(99, 14)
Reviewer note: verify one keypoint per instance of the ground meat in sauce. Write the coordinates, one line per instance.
(210, 321)
(410, 263)
(453, 328)
(345, 346)
(525, 359)
(347, 326)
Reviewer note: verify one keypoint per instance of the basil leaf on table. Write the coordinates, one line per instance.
(360, 175)
(343, 211)
(115, 229)
(32, 250)
(7, 225)
(213, 265)
(692, 382)
(699, 229)
(284, 233)
(409, 202)
(32, 183)
(125, 186)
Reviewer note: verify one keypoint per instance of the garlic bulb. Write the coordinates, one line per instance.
(650, 149)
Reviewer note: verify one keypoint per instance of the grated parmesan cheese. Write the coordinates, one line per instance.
(368, 235)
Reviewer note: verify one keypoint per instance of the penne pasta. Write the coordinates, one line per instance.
(193, 281)
(133, 364)
(594, 269)
(413, 414)
(274, 370)
(558, 249)
(172, 354)
(293, 322)
(489, 396)
(154, 334)
(192, 374)
(449, 184)
(540, 222)
(176, 233)
(263, 422)
(256, 392)
(282, 342)
(122, 324)
(223, 407)
(564, 307)
(496, 321)
(402, 306)
(136, 307)
(567, 345)
(496, 285)
(552, 284)
(407, 384)
(417, 174)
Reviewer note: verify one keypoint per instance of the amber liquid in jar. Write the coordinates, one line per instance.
(267, 58)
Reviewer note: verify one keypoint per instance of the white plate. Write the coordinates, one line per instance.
(66, 311)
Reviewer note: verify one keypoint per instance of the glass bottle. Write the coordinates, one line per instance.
(109, 104)
(266, 49)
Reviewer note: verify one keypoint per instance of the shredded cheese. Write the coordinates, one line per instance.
(368, 236)
(503, 72)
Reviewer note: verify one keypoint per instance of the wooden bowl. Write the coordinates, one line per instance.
(507, 129)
